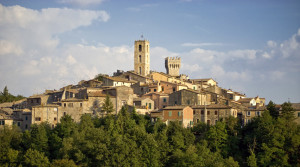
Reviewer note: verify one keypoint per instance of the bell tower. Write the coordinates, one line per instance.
(142, 57)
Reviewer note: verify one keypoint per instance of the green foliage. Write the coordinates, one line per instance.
(129, 139)
(63, 163)
(271, 107)
(5, 96)
(99, 77)
(107, 106)
(34, 158)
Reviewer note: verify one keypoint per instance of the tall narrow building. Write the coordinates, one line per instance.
(142, 57)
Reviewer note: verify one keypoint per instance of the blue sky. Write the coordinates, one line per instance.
(249, 46)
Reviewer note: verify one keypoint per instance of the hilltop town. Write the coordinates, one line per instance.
(168, 96)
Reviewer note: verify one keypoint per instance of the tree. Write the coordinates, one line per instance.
(217, 136)
(272, 109)
(99, 77)
(108, 106)
(35, 158)
(288, 111)
(63, 163)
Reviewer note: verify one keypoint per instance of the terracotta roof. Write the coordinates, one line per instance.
(245, 100)
(72, 100)
(118, 79)
(47, 105)
(296, 106)
(96, 94)
(174, 107)
(211, 106)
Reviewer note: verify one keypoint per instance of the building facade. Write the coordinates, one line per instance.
(142, 57)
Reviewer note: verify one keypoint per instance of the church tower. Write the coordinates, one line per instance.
(173, 65)
(142, 57)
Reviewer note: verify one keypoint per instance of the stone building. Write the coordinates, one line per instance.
(142, 57)
(173, 65)
(161, 100)
(117, 81)
(186, 97)
(46, 113)
(210, 114)
(143, 105)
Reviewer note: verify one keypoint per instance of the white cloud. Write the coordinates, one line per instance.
(82, 3)
(7, 47)
(30, 49)
(201, 44)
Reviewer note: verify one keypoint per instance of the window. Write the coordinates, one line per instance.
(188, 102)
(65, 105)
(164, 106)
(54, 118)
(142, 89)
(149, 105)
(202, 112)
(31, 101)
(26, 126)
(140, 58)
(165, 100)
(208, 122)
(19, 123)
(175, 102)
(258, 113)
(154, 90)
(216, 122)
(174, 89)
(147, 48)
(170, 113)
(140, 70)
(197, 120)
(248, 113)
(208, 112)
(162, 88)
(194, 112)
(65, 113)
(191, 122)
(2, 123)
(216, 112)
(70, 105)
(140, 48)
(26, 118)
(298, 114)
(80, 104)
(37, 118)
(179, 113)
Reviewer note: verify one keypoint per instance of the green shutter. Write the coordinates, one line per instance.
(170, 113)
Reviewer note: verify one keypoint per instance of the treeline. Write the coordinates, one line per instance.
(5, 96)
(129, 139)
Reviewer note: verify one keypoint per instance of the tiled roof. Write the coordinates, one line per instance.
(211, 106)
(174, 107)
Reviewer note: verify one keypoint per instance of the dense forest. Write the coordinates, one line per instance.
(129, 139)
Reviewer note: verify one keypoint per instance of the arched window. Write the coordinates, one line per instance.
(140, 70)
(140, 58)
(140, 48)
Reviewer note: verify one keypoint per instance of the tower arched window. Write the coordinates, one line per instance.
(140, 48)
(140, 58)
(140, 70)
